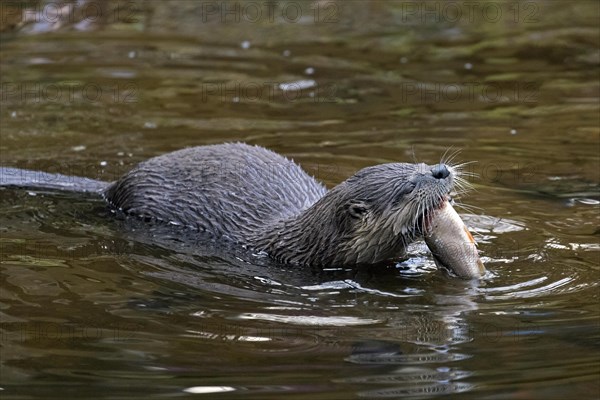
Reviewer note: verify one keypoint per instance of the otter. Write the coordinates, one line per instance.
(267, 203)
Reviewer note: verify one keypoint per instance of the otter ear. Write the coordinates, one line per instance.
(357, 209)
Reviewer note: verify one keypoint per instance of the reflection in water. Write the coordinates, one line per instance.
(427, 367)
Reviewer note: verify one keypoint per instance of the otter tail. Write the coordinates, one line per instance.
(43, 180)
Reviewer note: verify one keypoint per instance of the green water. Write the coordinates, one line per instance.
(93, 306)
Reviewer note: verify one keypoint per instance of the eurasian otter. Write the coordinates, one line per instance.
(261, 200)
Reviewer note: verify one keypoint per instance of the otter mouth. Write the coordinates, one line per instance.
(425, 219)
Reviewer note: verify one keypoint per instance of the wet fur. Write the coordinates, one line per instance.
(260, 199)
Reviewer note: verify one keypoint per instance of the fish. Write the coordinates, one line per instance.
(451, 244)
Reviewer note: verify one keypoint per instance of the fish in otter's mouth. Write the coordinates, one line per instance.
(450, 242)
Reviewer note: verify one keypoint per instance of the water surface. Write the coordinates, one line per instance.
(95, 306)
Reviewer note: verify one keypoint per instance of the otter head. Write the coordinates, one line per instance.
(384, 208)
(368, 219)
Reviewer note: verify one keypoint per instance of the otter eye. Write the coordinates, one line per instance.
(357, 210)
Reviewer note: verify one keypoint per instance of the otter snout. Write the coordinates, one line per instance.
(440, 171)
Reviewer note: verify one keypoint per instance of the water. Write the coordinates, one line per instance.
(94, 306)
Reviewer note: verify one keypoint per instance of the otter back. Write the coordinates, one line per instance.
(229, 190)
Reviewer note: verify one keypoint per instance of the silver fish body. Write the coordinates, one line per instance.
(451, 244)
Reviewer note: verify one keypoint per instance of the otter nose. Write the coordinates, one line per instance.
(440, 171)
